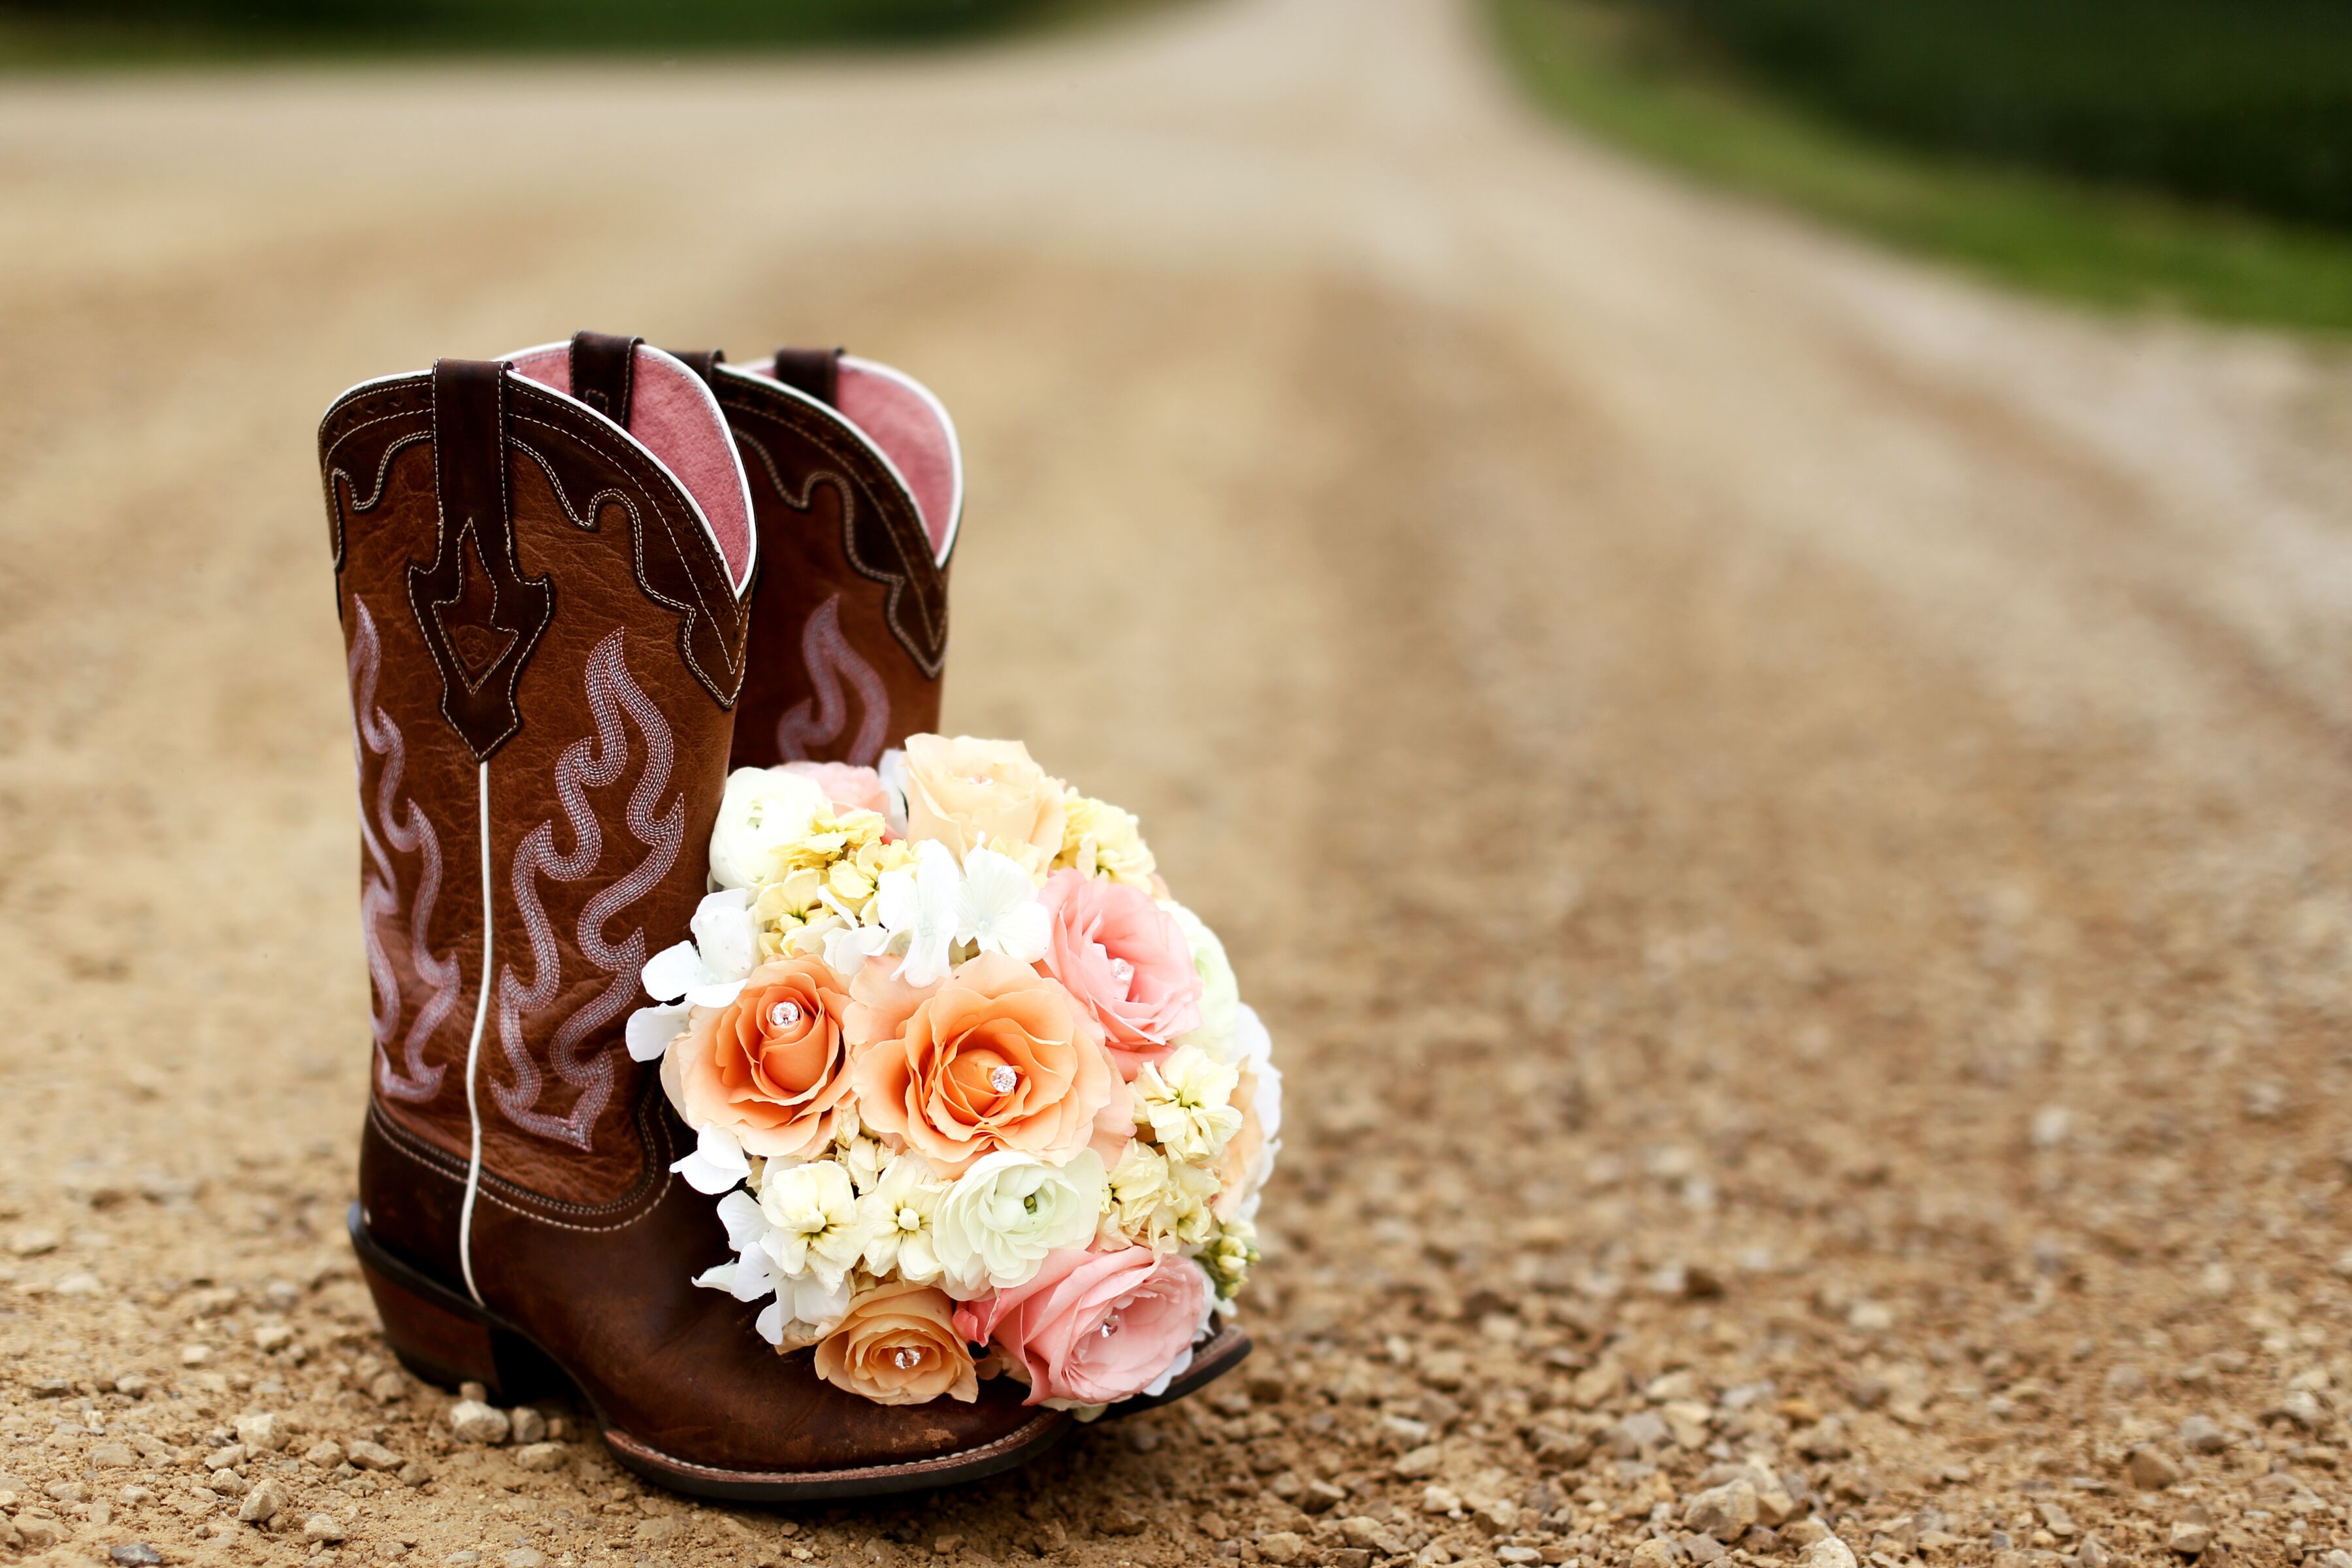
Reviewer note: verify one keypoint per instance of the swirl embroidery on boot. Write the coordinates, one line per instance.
(594, 762)
(412, 833)
(818, 720)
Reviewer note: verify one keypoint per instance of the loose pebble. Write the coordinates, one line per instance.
(475, 1421)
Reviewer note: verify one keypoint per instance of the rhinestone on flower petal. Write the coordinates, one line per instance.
(1109, 1327)
(785, 1016)
(906, 1358)
(1124, 972)
(1003, 1080)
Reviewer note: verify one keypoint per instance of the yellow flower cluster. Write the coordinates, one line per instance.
(1098, 839)
(1230, 1258)
(1160, 1203)
(825, 880)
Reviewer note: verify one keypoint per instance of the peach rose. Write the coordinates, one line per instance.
(998, 1056)
(1126, 961)
(898, 1345)
(771, 1067)
(1095, 1327)
(965, 793)
(849, 788)
(880, 1003)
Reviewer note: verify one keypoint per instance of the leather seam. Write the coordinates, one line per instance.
(1019, 1436)
(645, 1197)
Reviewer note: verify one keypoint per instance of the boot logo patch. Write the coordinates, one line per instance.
(400, 823)
(817, 721)
(481, 617)
(615, 702)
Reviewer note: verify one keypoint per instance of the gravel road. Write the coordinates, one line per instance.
(1786, 812)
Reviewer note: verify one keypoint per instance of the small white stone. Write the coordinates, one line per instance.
(475, 1421)
(264, 1429)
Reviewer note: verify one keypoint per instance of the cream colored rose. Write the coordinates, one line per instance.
(763, 810)
(968, 793)
(898, 1345)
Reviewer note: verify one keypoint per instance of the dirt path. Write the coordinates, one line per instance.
(1787, 814)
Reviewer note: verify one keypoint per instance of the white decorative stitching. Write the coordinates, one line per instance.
(412, 833)
(818, 720)
(595, 762)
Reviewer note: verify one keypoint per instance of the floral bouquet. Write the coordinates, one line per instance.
(979, 1098)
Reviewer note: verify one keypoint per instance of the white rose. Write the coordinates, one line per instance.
(1007, 1211)
(1220, 995)
(811, 1213)
(763, 810)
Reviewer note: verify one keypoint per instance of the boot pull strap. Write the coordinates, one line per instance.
(704, 363)
(816, 372)
(480, 616)
(604, 367)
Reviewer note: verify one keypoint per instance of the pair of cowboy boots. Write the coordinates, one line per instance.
(577, 586)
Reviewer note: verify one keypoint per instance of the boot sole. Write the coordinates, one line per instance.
(447, 1340)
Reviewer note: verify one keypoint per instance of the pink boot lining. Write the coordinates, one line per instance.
(672, 413)
(912, 431)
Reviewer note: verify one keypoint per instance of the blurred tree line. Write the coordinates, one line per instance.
(207, 27)
(2244, 102)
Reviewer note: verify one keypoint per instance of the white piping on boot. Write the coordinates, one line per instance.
(473, 1057)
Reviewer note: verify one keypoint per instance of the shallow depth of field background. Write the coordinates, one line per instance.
(1738, 610)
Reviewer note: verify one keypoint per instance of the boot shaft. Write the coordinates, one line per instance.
(857, 485)
(545, 618)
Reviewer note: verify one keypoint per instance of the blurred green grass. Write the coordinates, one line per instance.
(1637, 72)
(53, 33)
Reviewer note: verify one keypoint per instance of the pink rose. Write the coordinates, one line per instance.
(1095, 1327)
(1126, 961)
(849, 788)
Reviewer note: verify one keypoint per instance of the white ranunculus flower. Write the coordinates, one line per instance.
(763, 810)
(1007, 1211)
(1220, 994)
(899, 1213)
(811, 1213)
(1188, 1101)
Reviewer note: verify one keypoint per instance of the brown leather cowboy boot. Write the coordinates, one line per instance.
(857, 485)
(542, 570)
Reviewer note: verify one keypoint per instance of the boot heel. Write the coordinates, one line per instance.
(434, 1343)
(444, 1338)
